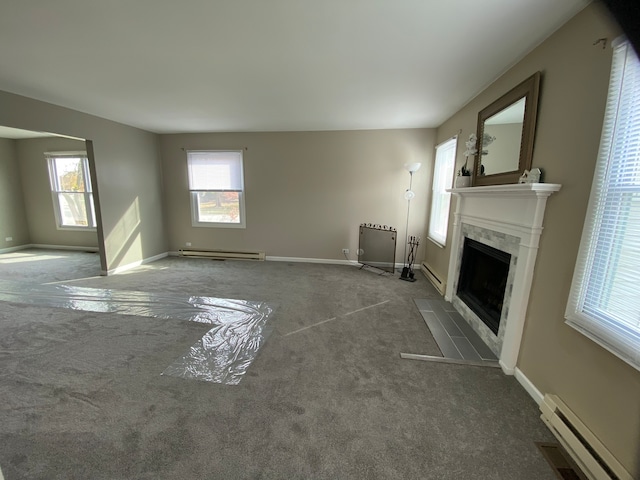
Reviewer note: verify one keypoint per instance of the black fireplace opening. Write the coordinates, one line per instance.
(483, 280)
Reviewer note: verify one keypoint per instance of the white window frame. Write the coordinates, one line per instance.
(441, 199)
(193, 193)
(603, 302)
(56, 190)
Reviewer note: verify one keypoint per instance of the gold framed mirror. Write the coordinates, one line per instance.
(506, 130)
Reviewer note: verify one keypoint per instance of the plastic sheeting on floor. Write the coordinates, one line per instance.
(224, 353)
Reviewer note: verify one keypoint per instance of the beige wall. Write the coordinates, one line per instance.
(131, 226)
(13, 221)
(306, 192)
(601, 389)
(34, 175)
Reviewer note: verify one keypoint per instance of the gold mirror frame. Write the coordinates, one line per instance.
(529, 89)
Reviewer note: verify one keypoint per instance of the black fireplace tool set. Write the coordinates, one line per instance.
(407, 271)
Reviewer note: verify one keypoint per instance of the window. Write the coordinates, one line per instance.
(71, 190)
(217, 188)
(440, 199)
(604, 303)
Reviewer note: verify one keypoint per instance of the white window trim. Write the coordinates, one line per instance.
(88, 193)
(615, 336)
(193, 194)
(195, 222)
(440, 241)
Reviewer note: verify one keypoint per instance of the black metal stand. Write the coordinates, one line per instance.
(407, 271)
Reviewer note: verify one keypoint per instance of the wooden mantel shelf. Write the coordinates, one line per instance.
(524, 189)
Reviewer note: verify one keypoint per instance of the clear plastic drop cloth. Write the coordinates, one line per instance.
(223, 355)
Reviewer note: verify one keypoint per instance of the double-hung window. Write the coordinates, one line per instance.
(216, 185)
(71, 190)
(440, 198)
(604, 302)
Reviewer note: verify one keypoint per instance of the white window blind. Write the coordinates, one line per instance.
(604, 302)
(217, 171)
(440, 198)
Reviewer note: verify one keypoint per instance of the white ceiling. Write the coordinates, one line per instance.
(265, 65)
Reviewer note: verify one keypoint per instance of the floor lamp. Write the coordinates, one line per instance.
(407, 273)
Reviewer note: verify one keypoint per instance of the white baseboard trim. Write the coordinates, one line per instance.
(14, 249)
(129, 266)
(505, 369)
(328, 261)
(291, 259)
(64, 247)
(269, 258)
(48, 247)
(529, 386)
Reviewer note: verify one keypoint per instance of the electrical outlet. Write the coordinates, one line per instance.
(188, 244)
(345, 250)
(8, 239)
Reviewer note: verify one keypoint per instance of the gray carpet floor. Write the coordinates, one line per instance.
(82, 395)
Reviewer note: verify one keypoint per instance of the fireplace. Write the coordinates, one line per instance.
(483, 279)
(507, 218)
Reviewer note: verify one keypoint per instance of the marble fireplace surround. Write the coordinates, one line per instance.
(507, 217)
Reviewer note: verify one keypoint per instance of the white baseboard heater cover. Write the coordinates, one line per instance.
(434, 278)
(221, 254)
(593, 458)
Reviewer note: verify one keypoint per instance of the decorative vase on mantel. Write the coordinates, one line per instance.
(463, 181)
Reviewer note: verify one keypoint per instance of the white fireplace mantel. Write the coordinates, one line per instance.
(516, 210)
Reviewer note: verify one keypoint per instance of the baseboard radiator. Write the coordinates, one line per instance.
(593, 458)
(221, 254)
(433, 278)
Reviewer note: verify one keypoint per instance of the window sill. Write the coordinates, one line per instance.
(217, 225)
(436, 242)
(77, 229)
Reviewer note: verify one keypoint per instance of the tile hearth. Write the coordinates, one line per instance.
(454, 336)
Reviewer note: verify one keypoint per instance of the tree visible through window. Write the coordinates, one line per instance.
(71, 190)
